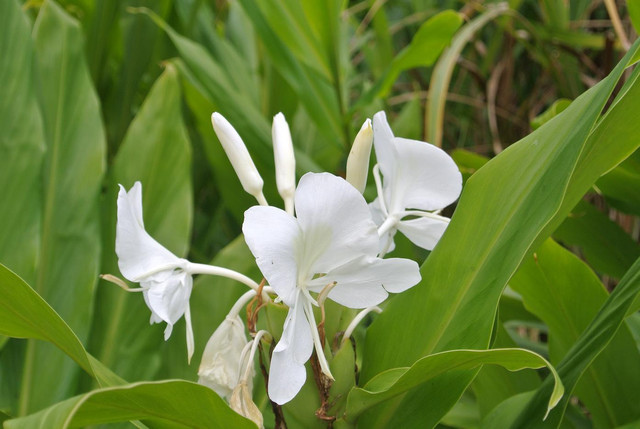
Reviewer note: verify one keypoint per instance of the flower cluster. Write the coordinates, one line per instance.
(327, 243)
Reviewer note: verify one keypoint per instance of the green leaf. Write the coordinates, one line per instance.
(507, 205)
(397, 381)
(560, 289)
(602, 242)
(165, 404)
(439, 84)
(26, 315)
(70, 248)
(21, 144)
(155, 151)
(589, 345)
(425, 48)
(621, 186)
(633, 7)
(557, 107)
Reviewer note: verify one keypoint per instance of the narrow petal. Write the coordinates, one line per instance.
(335, 221)
(189, 333)
(383, 143)
(424, 232)
(366, 281)
(427, 177)
(287, 373)
(386, 243)
(272, 234)
(138, 253)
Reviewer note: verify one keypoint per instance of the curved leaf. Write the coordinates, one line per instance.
(167, 404)
(589, 345)
(396, 381)
(560, 289)
(511, 203)
(74, 164)
(24, 314)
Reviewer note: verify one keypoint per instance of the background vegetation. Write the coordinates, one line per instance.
(97, 93)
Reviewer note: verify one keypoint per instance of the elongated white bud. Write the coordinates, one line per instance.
(285, 161)
(239, 156)
(358, 160)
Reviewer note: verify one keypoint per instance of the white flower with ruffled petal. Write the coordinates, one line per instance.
(420, 179)
(164, 278)
(332, 239)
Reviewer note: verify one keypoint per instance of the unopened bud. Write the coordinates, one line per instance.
(285, 161)
(239, 156)
(358, 160)
(221, 366)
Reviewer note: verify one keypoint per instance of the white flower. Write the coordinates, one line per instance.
(332, 239)
(239, 157)
(166, 283)
(221, 360)
(285, 161)
(358, 160)
(418, 176)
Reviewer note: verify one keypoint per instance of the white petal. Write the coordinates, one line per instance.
(366, 281)
(169, 299)
(427, 178)
(189, 333)
(335, 221)
(138, 253)
(383, 141)
(287, 373)
(272, 234)
(424, 232)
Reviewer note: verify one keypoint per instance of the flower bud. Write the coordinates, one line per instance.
(242, 403)
(285, 161)
(221, 366)
(240, 159)
(358, 160)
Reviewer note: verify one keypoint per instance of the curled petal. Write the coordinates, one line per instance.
(138, 253)
(424, 232)
(385, 150)
(287, 373)
(169, 299)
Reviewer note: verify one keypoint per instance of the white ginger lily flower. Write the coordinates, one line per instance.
(332, 239)
(419, 180)
(166, 283)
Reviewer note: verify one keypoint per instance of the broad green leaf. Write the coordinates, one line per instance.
(26, 315)
(439, 84)
(397, 381)
(73, 168)
(560, 289)
(593, 340)
(557, 107)
(163, 404)
(21, 145)
(602, 242)
(506, 206)
(156, 151)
